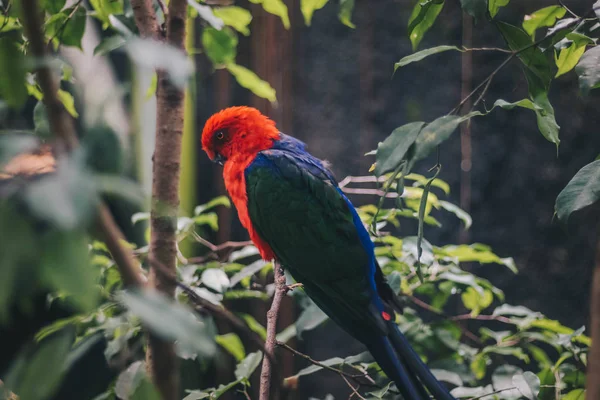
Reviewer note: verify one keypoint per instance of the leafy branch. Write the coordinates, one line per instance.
(62, 126)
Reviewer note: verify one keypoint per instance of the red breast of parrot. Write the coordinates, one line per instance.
(294, 211)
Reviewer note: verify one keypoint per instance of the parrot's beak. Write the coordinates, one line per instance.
(219, 159)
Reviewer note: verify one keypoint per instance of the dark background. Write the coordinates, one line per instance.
(336, 92)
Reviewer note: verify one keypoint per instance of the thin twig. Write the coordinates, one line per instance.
(361, 179)
(486, 82)
(435, 311)
(272, 314)
(498, 318)
(489, 394)
(62, 27)
(216, 250)
(318, 363)
(163, 8)
(372, 192)
(498, 49)
(354, 389)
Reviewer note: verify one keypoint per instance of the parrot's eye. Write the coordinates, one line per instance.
(220, 135)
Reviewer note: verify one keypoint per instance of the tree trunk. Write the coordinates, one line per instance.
(593, 372)
(161, 359)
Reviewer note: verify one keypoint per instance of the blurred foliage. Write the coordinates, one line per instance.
(49, 242)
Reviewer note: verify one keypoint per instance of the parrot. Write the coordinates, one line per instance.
(296, 214)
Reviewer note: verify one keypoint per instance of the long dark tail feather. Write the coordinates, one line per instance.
(416, 365)
(387, 358)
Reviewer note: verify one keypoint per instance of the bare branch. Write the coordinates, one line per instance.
(318, 363)
(217, 252)
(272, 314)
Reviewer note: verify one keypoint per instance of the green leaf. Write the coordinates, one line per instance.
(472, 253)
(18, 238)
(544, 114)
(422, 208)
(435, 133)
(109, 44)
(129, 380)
(66, 267)
(232, 343)
(544, 17)
(8, 24)
(68, 102)
(314, 368)
(345, 13)
(40, 121)
(104, 8)
(310, 318)
(459, 212)
(447, 376)
(502, 380)
(170, 320)
(206, 13)
(248, 365)
(68, 26)
(568, 58)
(533, 59)
(53, 6)
(577, 394)
(478, 366)
(67, 198)
(494, 6)
(520, 311)
(475, 301)
(197, 395)
(252, 82)
(220, 46)
(217, 201)
(422, 18)
(546, 120)
(237, 17)
(393, 149)
(37, 372)
(582, 191)
(588, 70)
(215, 279)
(419, 55)
(275, 7)
(247, 271)
(381, 393)
(308, 7)
(475, 8)
(528, 384)
(254, 325)
(525, 103)
(146, 391)
(12, 72)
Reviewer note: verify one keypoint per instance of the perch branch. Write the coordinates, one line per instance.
(63, 127)
(272, 314)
